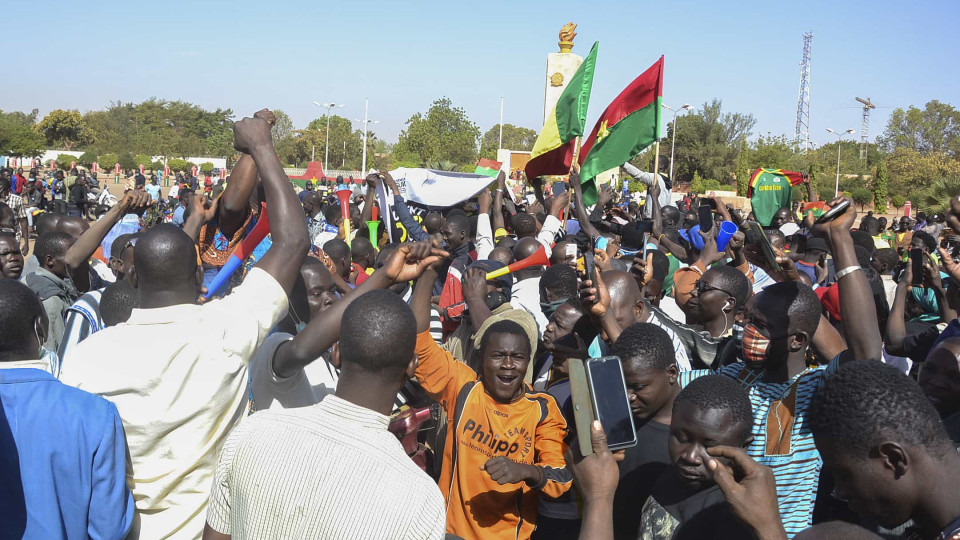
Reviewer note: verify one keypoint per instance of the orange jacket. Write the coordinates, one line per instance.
(529, 430)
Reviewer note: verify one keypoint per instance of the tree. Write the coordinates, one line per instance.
(87, 159)
(443, 133)
(65, 129)
(939, 195)
(880, 186)
(107, 161)
(696, 185)
(17, 137)
(177, 165)
(910, 169)
(282, 128)
(708, 142)
(935, 129)
(862, 196)
(514, 138)
(143, 159)
(897, 201)
(64, 161)
(742, 171)
(206, 167)
(126, 161)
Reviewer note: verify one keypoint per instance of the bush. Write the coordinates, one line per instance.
(127, 161)
(206, 167)
(711, 185)
(87, 159)
(108, 161)
(177, 165)
(696, 185)
(157, 166)
(64, 161)
(897, 201)
(862, 196)
(143, 159)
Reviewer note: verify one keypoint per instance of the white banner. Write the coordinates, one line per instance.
(423, 189)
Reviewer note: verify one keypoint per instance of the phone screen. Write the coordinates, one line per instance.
(588, 265)
(610, 402)
(706, 218)
(558, 188)
(916, 259)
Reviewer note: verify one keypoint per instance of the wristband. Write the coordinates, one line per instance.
(847, 271)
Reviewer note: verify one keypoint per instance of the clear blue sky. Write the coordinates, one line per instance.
(286, 54)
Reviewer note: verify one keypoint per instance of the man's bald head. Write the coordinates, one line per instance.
(625, 296)
(501, 255)
(72, 225)
(166, 260)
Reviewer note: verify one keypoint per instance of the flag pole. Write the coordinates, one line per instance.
(573, 164)
(656, 166)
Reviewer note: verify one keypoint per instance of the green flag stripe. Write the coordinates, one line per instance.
(571, 109)
(625, 139)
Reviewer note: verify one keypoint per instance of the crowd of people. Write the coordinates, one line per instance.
(795, 379)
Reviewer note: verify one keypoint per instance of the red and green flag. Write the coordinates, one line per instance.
(552, 154)
(488, 167)
(628, 125)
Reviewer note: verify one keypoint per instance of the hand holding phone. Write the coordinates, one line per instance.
(916, 268)
(706, 217)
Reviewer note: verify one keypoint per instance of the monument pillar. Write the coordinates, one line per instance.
(560, 67)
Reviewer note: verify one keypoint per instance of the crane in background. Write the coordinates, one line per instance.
(865, 126)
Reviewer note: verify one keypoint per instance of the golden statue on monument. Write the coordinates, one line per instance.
(567, 33)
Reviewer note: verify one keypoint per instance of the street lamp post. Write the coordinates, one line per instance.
(673, 143)
(366, 122)
(326, 142)
(839, 136)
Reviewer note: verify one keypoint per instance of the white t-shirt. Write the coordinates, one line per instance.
(309, 386)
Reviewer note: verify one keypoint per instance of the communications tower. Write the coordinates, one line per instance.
(802, 133)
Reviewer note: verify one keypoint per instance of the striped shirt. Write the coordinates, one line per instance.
(331, 470)
(82, 320)
(780, 409)
(15, 202)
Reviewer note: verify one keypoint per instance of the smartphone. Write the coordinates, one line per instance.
(801, 244)
(706, 217)
(835, 211)
(916, 259)
(601, 242)
(610, 402)
(645, 226)
(571, 250)
(766, 246)
(712, 203)
(558, 188)
(589, 267)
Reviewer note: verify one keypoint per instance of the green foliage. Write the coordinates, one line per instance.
(161, 127)
(862, 196)
(442, 165)
(880, 181)
(143, 159)
(346, 144)
(636, 186)
(17, 136)
(157, 166)
(177, 165)
(939, 195)
(282, 128)
(696, 185)
(443, 133)
(64, 161)
(897, 201)
(126, 161)
(206, 167)
(910, 169)
(742, 171)
(87, 159)
(935, 129)
(65, 129)
(712, 185)
(708, 143)
(107, 161)
(514, 138)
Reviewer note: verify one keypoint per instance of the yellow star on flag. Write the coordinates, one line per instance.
(603, 131)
